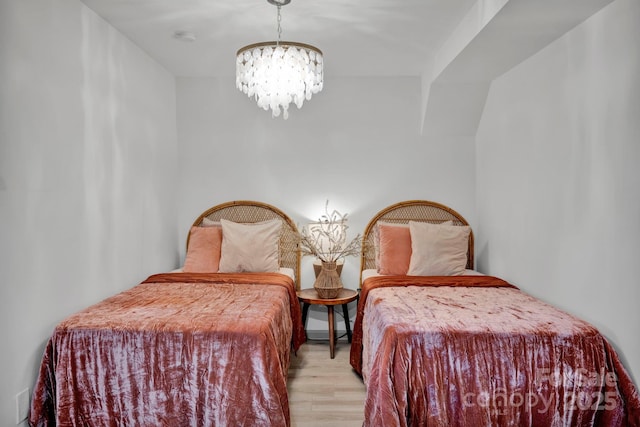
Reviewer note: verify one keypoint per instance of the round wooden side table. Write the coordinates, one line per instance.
(310, 297)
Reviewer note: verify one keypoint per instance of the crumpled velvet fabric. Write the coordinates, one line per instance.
(458, 351)
(182, 349)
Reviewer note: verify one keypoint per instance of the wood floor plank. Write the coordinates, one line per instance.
(324, 391)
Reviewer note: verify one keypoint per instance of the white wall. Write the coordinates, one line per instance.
(356, 144)
(90, 169)
(87, 174)
(558, 196)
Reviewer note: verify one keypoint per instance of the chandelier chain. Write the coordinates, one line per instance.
(279, 25)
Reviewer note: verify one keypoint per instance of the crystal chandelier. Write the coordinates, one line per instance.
(278, 73)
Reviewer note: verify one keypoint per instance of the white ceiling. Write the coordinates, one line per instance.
(358, 37)
(457, 47)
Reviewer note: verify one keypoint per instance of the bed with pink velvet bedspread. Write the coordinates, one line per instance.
(177, 350)
(476, 351)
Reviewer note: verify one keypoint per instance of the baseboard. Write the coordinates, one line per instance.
(324, 335)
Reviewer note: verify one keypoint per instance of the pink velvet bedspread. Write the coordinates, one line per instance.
(177, 350)
(476, 351)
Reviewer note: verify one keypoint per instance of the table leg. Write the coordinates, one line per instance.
(345, 313)
(332, 331)
(305, 311)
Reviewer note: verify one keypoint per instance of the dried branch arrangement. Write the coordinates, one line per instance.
(327, 238)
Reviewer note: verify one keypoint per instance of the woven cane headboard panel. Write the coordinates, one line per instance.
(402, 213)
(246, 211)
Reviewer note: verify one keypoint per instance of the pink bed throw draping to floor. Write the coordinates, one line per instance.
(177, 350)
(476, 351)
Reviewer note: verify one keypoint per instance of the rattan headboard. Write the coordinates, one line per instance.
(402, 213)
(246, 211)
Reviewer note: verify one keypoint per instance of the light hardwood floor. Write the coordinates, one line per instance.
(324, 391)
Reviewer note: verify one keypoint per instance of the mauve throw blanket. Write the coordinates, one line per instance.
(180, 349)
(476, 351)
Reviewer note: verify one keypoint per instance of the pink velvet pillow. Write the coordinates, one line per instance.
(203, 252)
(394, 242)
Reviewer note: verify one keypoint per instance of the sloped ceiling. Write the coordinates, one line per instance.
(493, 37)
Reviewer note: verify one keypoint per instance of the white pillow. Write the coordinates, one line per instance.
(438, 250)
(250, 247)
(206, 222)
